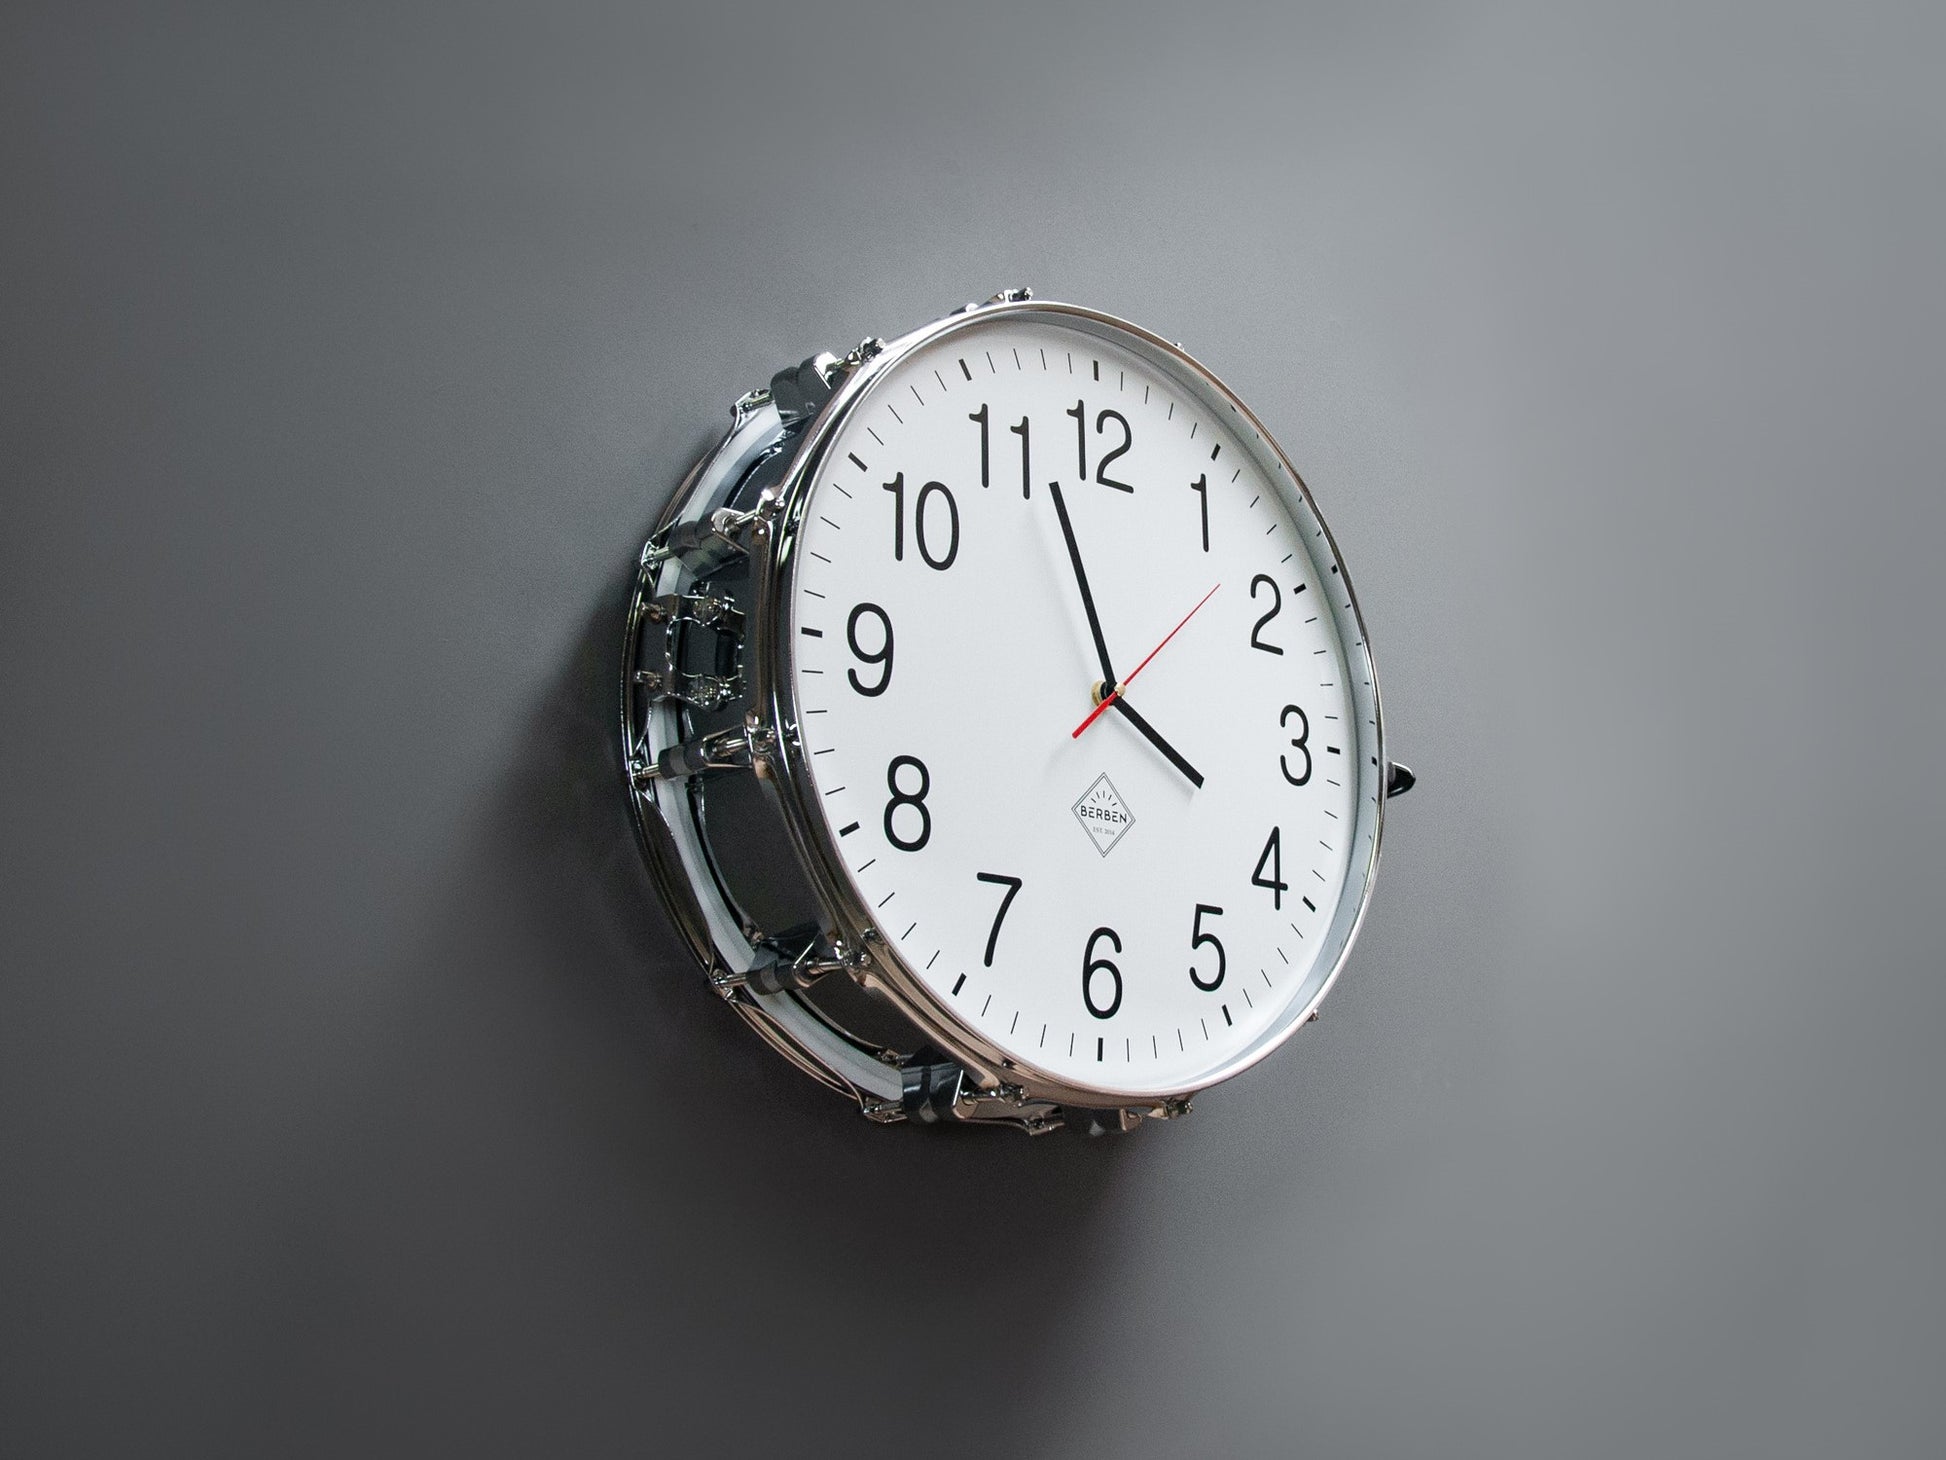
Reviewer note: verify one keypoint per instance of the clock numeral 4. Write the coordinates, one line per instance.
(1091, 967)
(1273, 858)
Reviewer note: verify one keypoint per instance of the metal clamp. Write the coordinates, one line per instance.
(670, 679)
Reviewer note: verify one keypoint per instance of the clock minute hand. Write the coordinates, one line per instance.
(1081, 582)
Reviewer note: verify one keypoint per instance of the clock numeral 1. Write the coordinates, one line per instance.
(1091, 966)
(1026, 473)
(1201, 488)
(1273, 857)
(981, 416)
(1197, 938)
(1012, 884)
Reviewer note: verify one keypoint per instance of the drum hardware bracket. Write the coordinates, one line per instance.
(680, 615)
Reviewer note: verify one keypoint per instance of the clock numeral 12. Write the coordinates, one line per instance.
(1080, 414)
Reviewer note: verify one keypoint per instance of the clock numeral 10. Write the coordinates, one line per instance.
(1091, 967)
(927, 494)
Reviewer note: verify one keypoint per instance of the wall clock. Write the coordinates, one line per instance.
(1000, 726)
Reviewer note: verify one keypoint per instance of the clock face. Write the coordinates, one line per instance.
(1131, 897)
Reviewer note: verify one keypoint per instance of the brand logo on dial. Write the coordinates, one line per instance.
(1103, 815)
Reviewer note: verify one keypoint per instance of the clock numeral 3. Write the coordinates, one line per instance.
(1012, 884)
(1273, 858)
(1197, 939)
(1302, 744)
(876, 656)
(915, 799)
(1091, 966)
(927, 493)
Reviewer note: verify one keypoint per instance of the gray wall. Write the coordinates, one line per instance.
(356, 1098)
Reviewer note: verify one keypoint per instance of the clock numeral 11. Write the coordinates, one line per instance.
(980, 418)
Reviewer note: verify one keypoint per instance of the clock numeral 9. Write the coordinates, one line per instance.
(1080, 414)
(1273, 858)
(1091, 966)
(1197, 939)
(881, 656)
(915, 799)
(1301, 744)
(919, 519)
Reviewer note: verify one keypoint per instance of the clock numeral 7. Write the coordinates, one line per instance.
(1012, 884)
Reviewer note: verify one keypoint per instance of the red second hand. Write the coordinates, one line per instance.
(1116, 693)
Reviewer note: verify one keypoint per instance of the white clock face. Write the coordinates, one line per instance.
(1140, 906)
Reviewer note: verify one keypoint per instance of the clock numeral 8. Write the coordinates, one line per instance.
(915, 799)
(878, 656)
(1091, 965)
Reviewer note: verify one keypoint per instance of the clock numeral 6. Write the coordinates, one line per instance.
(1197, 939)
(927, 494)
(882, 655)
(1091, 965)
(915, 799)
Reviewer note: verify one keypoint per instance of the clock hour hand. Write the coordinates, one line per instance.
(1154, 737)
(1081, 582)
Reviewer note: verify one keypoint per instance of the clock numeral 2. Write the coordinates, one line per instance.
(1276, 607)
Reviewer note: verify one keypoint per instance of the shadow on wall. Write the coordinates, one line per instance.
(573, 1168)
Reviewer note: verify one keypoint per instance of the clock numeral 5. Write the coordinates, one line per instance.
(927, 494)
(1197, 939)
(1091, 966)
